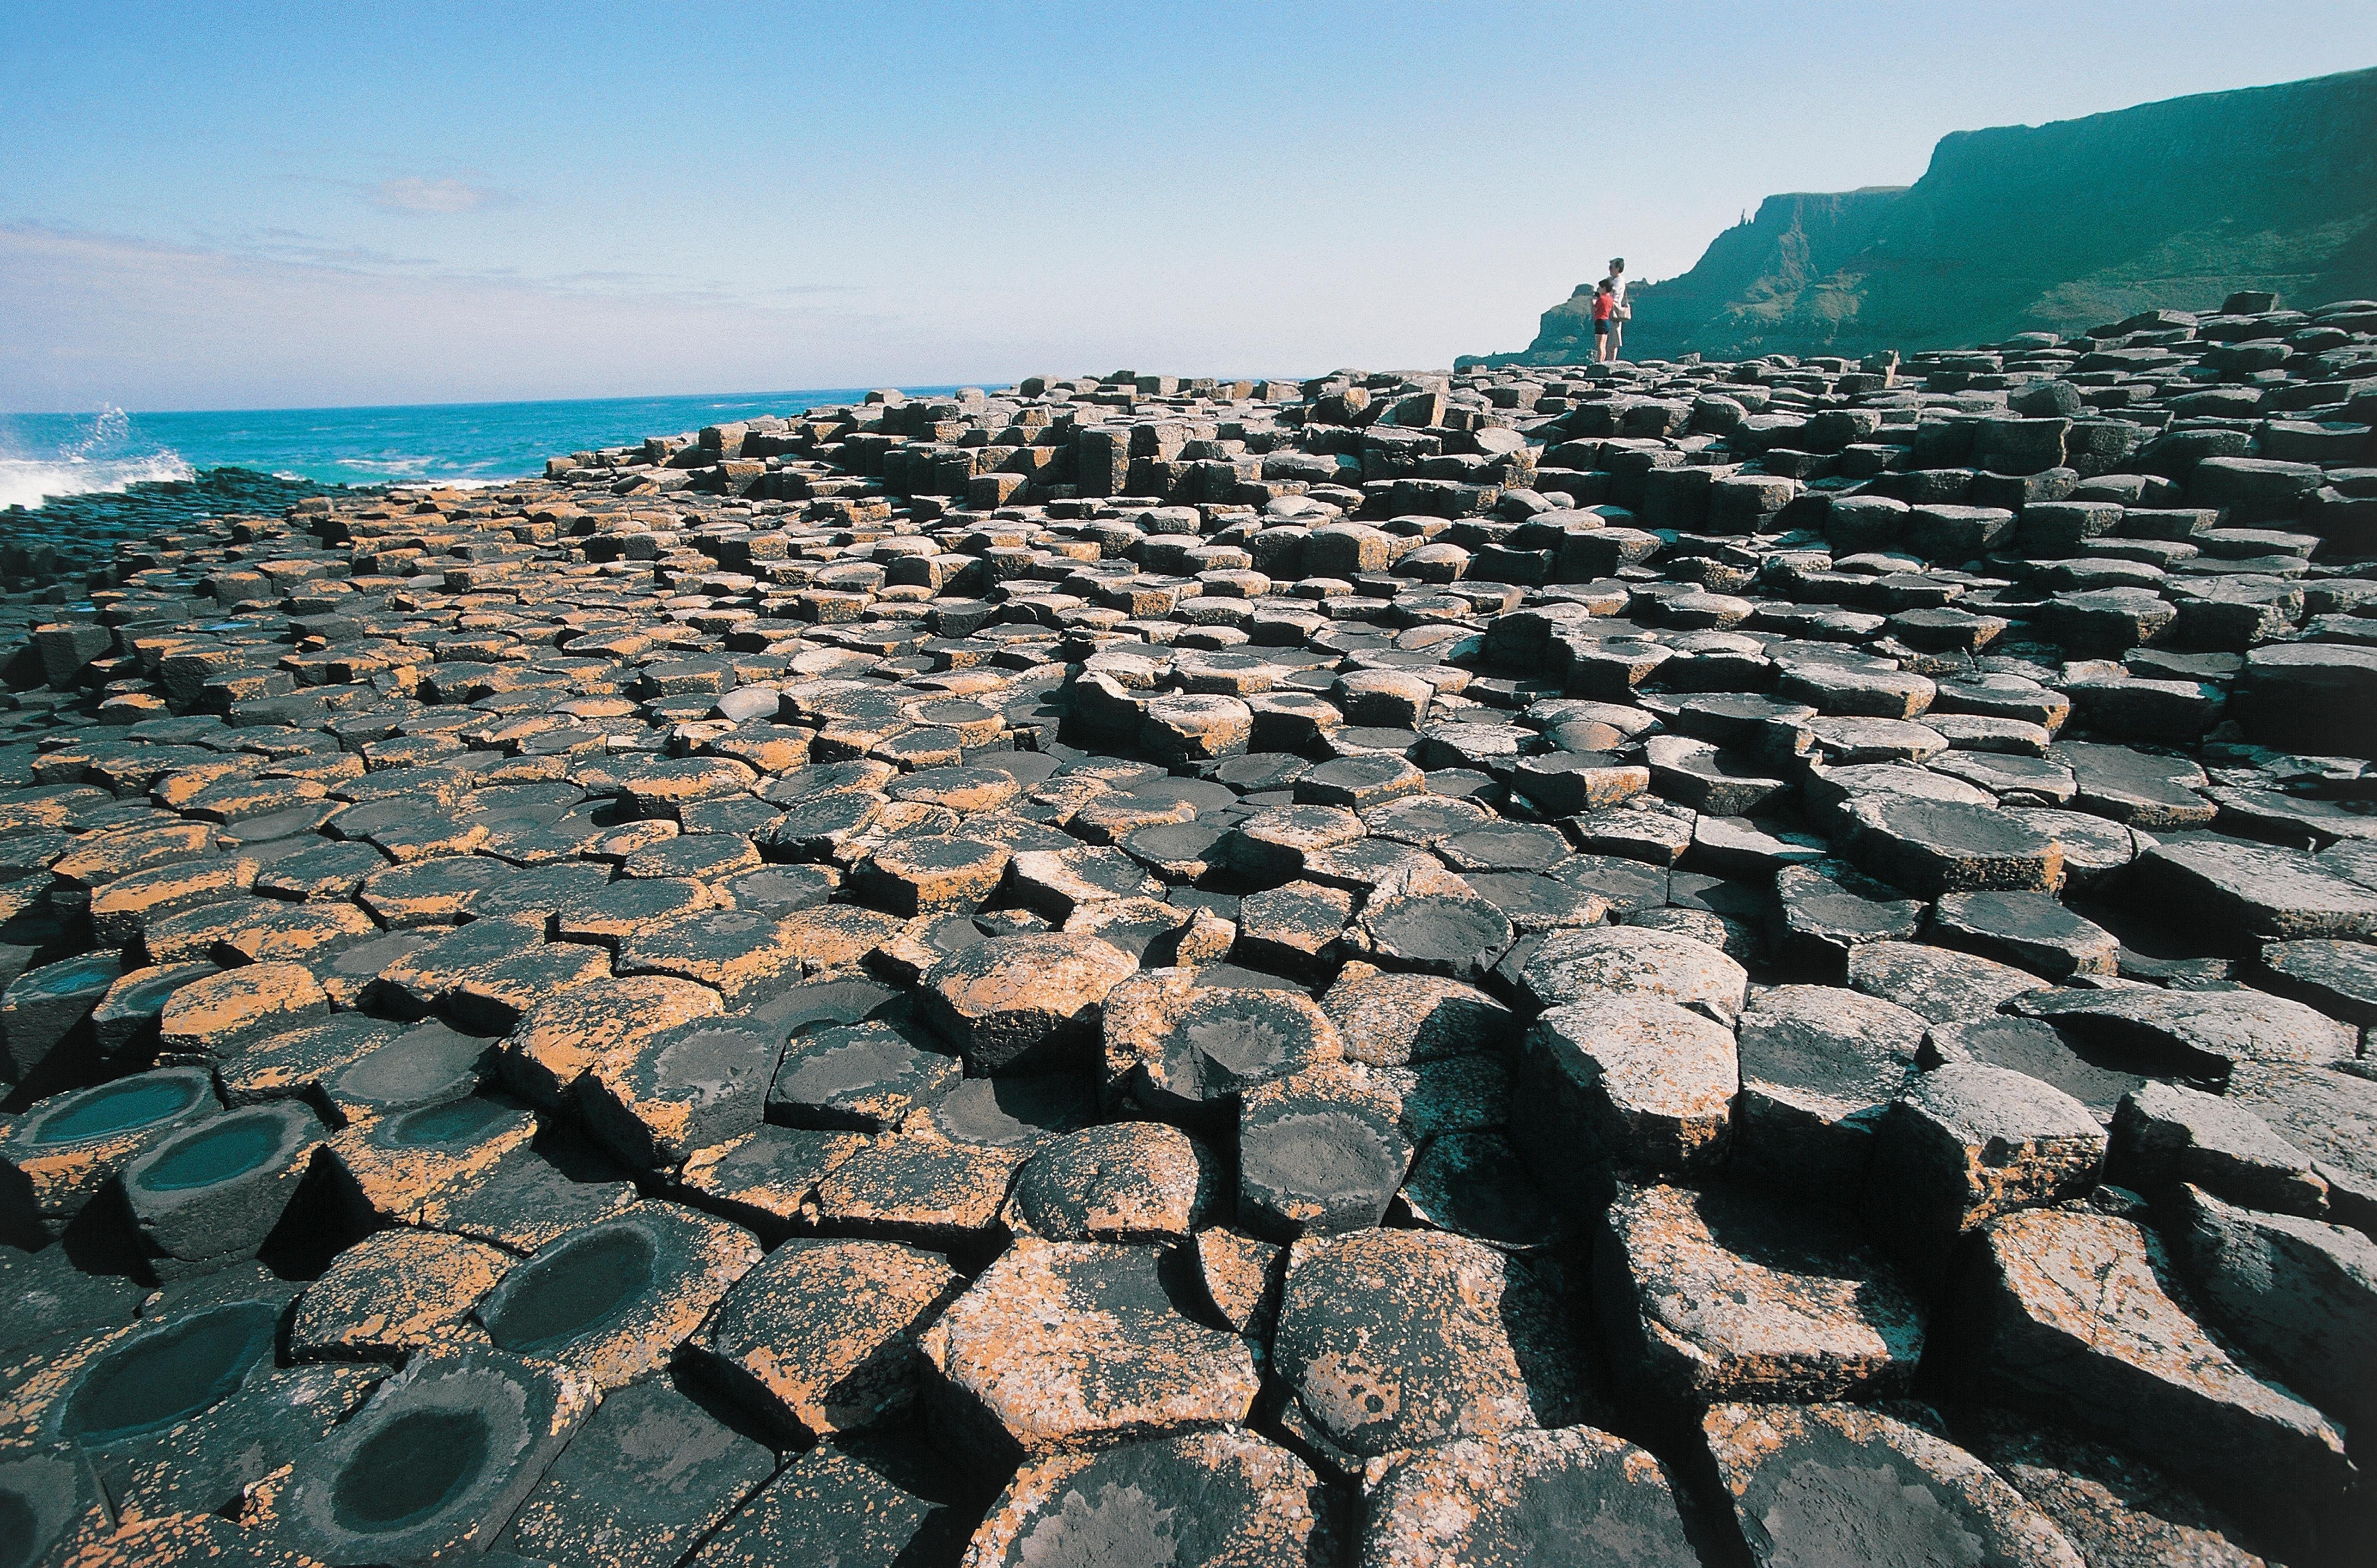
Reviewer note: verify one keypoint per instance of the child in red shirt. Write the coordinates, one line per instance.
(1605, 311)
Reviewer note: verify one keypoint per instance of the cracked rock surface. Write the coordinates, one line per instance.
(1677, 963)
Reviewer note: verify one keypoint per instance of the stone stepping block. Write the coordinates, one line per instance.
(103, 858)
(250, 931)
(2244, 894)
(1824, 1483)
(1424, 820)
(614, 1299)
(2296, 1294)
(659, 789)
(923, 943)
(435, 1462)
(1062, 883)
(52, 1501)
(1964, 1144)
(441, 891)
(427, 1064)
(218, 1189)
(1241, 1276)
(691, 1087)
(1275, 844)
(733, 816)
(43, 1294)
(56, 1159)
(742, 954)
(1022, 1004)
(1388, 1019)
(967, 791)
(401, 1169)
(1609, 964)
(817, 827)
(766, 1179)
(1736, 1294)
(1633, 1081)
(1128, 1181)
(1560, 1499)
(1150, 932)
(1456, 1340)
(1292, 929)
(1475, 1184)
(2113, 1508)
(1568, 783)
(215, 1460)
(781, 890)
(1106, 1354)
(121, 912)
(2164, 1134)
(1202, 1497)
(1538, 903)
(619, 911)
(43, 1018)
(2200, 1035)
(1505, 846)
(1818, 1063)
(1004, 1113)
(212, 1017)
(919, 875)
(405, 827)
(606, 1500)
(2031, 930)
(858, 1078)
(1942, 985)
(706, 856)
(1188, 1049)
(2149, 793)
(1357, 783)
(821, 1336)
(1933, 847)
(943, 1196)
(607, 1025)
(414, 984)
(119, 1388)
(349, 972)
(123, 1022)
(395, 1294)
(528, 1198)
(1320, 1153)
(1432, 922)
(2075, 1314)
(870, 1498)
(833, 937)
(1176, 851)
(2089, 1072)
(296, 1062)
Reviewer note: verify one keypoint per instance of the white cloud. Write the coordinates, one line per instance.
(412, 193)
(86, 319)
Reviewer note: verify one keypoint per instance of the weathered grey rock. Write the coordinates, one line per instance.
(1203, 1497)
(1391, 1340)
(2117, 1512)
(2298, 1294)
(1631, 1081)
(1388, 1019)
(2200, 1033)
(1839, 1483)
(1560, 1499)
(1964, 1144)
(2247, 893)
(2164, 1135)
(1730, 1294)
(1818, 1066)
(2331, 1114)
(1320, 1153)
(1624, 961)
(1942, 986)
(1108, 1356)
(2031, 930)
(2069, 1312)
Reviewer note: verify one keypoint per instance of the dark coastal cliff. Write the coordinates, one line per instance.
(2023, 228)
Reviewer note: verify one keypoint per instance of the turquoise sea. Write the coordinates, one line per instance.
(47, 456)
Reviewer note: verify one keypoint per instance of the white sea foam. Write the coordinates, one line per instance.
(28, 482)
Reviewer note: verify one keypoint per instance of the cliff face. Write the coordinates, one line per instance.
(2021, 228)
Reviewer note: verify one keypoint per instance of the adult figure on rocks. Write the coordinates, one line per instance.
(1620, 312)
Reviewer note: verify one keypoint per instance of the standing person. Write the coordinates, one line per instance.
(1620, 313)
(1604, 323)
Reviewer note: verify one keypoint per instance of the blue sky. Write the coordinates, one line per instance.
(266, 206)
